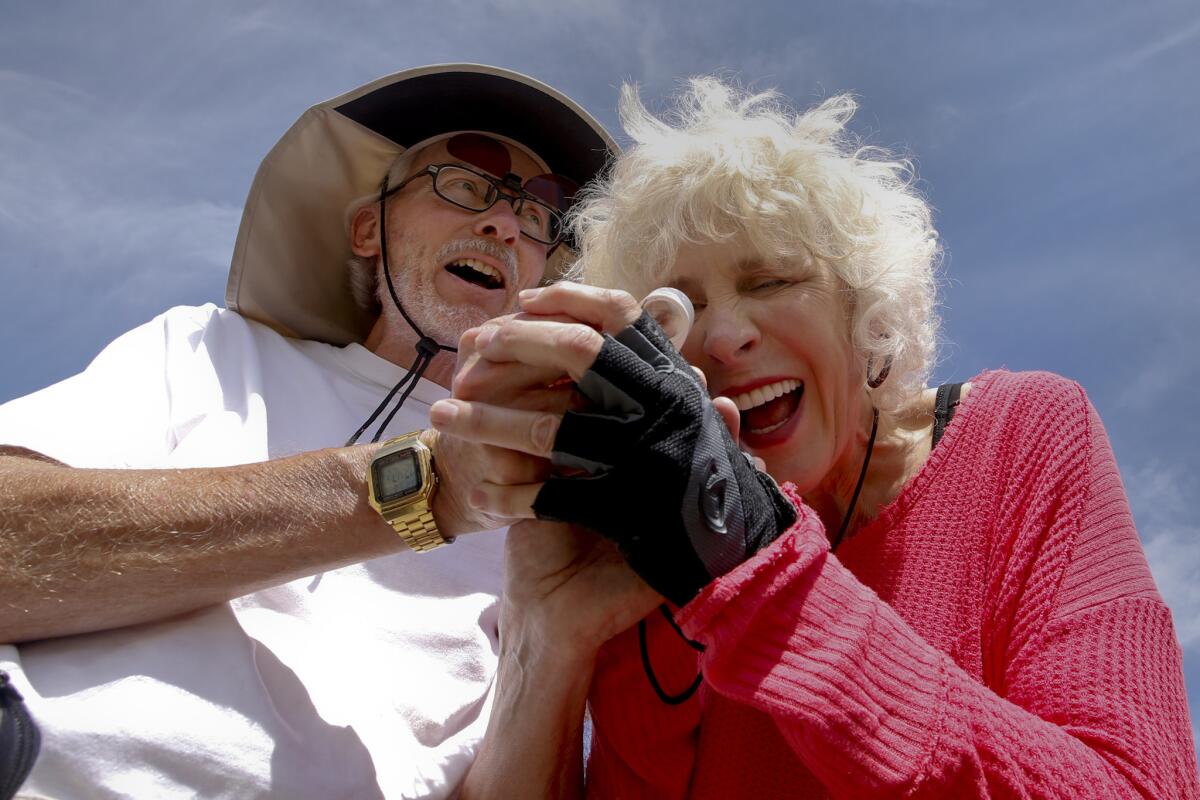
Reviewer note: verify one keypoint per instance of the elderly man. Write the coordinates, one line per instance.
(183, 627)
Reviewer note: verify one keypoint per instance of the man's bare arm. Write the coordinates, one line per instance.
(534, 737)
(90, 549)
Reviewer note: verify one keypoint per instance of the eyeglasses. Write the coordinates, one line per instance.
(474, 191)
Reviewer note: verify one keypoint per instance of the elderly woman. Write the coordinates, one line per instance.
(928, 608)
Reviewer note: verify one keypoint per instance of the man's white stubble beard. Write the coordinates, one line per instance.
(444, 322)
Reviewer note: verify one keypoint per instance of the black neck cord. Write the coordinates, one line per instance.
(427, 347)
(669, 699)
(862, 476)
(686, 694)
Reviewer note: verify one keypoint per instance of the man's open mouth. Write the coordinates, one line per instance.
(768, 408)
(474, 271)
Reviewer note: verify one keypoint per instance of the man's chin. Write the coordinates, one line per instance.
(446, 306)
(447, 322)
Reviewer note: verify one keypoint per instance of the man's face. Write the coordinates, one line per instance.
(454, 268)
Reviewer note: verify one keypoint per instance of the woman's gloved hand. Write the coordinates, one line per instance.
(653, 467)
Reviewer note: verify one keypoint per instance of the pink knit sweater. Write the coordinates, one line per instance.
(995, 632)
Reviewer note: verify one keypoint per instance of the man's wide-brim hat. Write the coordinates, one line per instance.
(289, 263)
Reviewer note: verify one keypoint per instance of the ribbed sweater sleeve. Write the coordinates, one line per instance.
(874, 711)
(1080, 689)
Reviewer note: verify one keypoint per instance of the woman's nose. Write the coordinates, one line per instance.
(728, 334)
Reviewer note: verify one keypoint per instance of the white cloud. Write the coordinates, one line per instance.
(1161, 502)
(1161, 45)
(1174, 556)
(1099, 71)
(161, 242)
(74, 187)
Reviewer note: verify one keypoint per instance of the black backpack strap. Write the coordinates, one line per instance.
(944, 407)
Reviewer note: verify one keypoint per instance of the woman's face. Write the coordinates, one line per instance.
(775, 338)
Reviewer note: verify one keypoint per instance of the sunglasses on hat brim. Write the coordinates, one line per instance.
(490, 155)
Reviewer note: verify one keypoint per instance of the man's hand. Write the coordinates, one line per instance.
(506, 408)
(466, 460)
(567, 591)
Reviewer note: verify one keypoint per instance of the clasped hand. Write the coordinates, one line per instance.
(513, 384)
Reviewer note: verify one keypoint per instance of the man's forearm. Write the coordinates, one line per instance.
(534, 738)
(94, 549)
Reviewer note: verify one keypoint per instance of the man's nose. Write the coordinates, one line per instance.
(499, 222)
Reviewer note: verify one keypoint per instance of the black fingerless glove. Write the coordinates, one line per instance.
(662, 478)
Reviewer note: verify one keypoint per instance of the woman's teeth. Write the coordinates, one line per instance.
(764, 394)
(768, 408)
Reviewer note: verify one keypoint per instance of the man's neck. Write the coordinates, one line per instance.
(400, 348)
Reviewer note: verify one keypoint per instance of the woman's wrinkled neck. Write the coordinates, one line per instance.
(900, 448)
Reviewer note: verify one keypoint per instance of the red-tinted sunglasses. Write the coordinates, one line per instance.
(484, 152)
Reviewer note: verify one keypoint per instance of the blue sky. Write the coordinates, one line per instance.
(1058, 142)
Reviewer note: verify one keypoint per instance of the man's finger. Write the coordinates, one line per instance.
(509, 384)
(511, 502)
(569, 348)
(529, 432)
(610, 310)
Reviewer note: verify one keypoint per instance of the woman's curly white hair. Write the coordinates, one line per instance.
(731, 165)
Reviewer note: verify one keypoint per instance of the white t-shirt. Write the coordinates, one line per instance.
(365, 681)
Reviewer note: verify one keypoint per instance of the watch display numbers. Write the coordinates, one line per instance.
(396, 475)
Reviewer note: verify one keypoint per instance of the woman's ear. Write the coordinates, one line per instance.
(364, 231)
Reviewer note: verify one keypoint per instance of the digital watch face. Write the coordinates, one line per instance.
(396, 475)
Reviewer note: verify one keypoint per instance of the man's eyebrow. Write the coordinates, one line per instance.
(483, 171)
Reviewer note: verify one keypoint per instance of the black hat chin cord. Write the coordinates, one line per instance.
(427, 347)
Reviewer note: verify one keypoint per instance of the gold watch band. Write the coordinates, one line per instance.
(420, 532)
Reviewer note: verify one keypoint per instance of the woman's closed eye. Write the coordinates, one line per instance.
(766, 285)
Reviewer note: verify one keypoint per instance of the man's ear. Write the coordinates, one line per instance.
(364, 231)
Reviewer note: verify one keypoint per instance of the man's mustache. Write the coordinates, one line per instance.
(487, 247)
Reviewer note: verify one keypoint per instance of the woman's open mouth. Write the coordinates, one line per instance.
(768, 408)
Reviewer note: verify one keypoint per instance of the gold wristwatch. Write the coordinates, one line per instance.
(400, 485)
